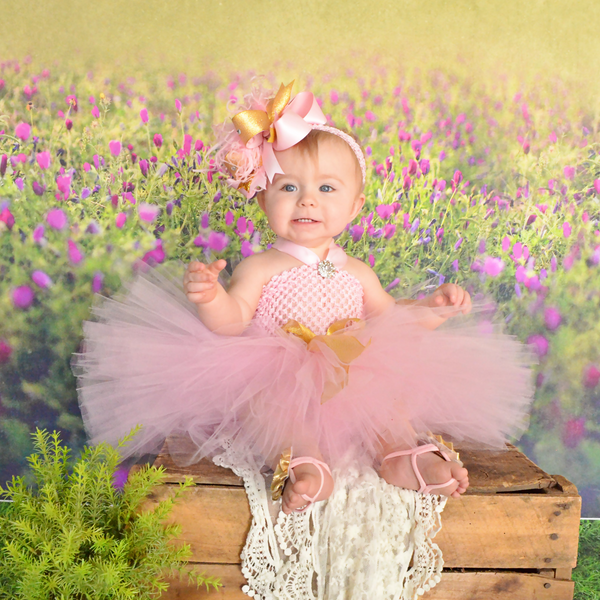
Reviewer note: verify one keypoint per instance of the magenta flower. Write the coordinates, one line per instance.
(63, 182)
(7, 217)
(569, 172)
(552, 318)
(566, 229)
(389, 231)
(115, 147)
(187, 144)
(573, 432)
(148, 212)
(242, 225)
(539, 344)
(41, 279)
(68, 124)
(23, 297)
(120, 478)
(43, 159)
(158, 140)
(5, 351)
(38, 234)
(333, 97)
(591, 376)
(493, 266)
(229, 218)
(384, 211)
(505, 243)
(97, 281)
(155, 256)
(20, 183)
(38, 189)
(95, 112)
(57, 219)
(120, 220)
(144, 166)
(517, 250)
(481, 248)
(371, 260)
(246, 249)
(144, 115)
(75, 254)
(177, 105)
(217, 241)
(357, 232)
(23, 131)
(521, 274)
(3, 163)
(597, 186)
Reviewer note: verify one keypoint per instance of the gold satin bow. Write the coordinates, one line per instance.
(249, 123)
(282, 472)
(345, 346)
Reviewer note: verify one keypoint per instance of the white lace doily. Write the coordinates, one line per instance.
(369, 540)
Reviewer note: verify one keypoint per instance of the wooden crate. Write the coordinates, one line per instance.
(513, 535)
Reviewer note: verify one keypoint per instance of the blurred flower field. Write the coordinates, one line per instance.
(494, 185)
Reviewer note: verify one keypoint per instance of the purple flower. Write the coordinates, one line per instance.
(23, 131)
(144, 115)
(5, 351)
(217, 241)
(57, 219)
(415, 225)
(155, 256)
(7, 217)
(458, 243)
(158, 140)
(389, 230)
(75, 254)
(247, 248)
(20, 183)
(493, 266)
(120, 220)
(120, 478)
(217, 196)
(481, 248)
(392, 284)
(552, 318)
(93, 228)
(591, 376)
(518, 290)
(38, 234)
(115, 147)
(97, 281)
(85, 192)
(357, 232)
(144, 166)
(384, 211)
(424, 165)
(573, 432)
(148, 212)
(43, 159)
(41, 279)
(521, 274)
(23, 296)
(539, 344)
(3, 163)
(38, 189)
(204, 221)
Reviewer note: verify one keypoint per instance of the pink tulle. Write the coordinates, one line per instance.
(148, 359)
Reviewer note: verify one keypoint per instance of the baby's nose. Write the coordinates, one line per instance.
(307, 198)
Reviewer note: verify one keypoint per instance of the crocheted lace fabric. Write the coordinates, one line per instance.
(370, 540)
(307, 297)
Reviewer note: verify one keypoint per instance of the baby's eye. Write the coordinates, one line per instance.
(326, 188)
(288, 187)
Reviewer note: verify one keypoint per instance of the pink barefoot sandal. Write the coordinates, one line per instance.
(414, 452)
(285, 469)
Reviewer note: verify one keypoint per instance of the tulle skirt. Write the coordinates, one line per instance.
(147, 359)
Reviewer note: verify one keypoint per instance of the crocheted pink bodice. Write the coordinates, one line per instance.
(303, 295)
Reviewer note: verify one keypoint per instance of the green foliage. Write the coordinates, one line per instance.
(76, 536)
(587, 574)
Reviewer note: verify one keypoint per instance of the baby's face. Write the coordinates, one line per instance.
(316, 197)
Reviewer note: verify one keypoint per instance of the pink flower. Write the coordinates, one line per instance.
(57, 219)
(155, 256)
(43, 159)
(493, 266)
(158, 140)
(63, 182)
(23, 297)
(333, 97)
(5, 351)
(217, 241)
(97, 281)
(23, 131)
(597, 186)
(7, 217)
(591, 376)
(177, 105)
(95, 112)
(389, 231)
(566, 229)
(114, 147)
(144, 115)
(120, 220)
(371, 260)
(573, 432)
(38, 234)
(384, 211)
(552, 318)
(148, 212)
(539, 344)
(505, 243)
(75, 254)
(41, 279)
(68, 124)
(246, 249)
(569, 172)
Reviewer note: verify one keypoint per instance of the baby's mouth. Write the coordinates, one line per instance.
(305, 220)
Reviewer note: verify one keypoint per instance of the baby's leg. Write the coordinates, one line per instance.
(434, 470)
(309, 480)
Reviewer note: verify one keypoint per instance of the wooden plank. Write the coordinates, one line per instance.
(502, 585)
(493, 471)
(503, 531)
(490, 471)
(214, 520)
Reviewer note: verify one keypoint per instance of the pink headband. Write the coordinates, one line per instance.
(247, 150)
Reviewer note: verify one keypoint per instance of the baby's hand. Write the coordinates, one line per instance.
(450, 294)
(200, 281)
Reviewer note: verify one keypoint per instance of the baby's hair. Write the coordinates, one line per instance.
(310, 146)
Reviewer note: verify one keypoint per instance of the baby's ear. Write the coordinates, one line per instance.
(359, 202)
(260, 199)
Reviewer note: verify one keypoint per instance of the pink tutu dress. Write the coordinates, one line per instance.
(310, 372)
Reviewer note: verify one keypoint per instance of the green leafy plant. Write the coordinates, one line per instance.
(76, 535)
(587, 574)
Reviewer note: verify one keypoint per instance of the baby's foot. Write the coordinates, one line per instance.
(434, 469)
(308, 482)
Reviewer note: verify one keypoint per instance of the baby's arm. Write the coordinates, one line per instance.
(227, 311)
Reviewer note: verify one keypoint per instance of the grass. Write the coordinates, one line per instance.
(587, 573)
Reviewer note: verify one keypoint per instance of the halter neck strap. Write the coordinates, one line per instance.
(336, 254)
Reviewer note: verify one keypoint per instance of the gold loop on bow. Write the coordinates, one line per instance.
(282, 472)
(249, 123)
(345, 346)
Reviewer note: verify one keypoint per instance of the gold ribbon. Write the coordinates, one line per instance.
(249, 123)
(345, 346)
(282, 472)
